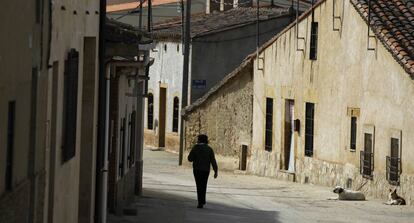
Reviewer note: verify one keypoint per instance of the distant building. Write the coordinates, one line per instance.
(332, 99)
(127, 11)
(219, 43)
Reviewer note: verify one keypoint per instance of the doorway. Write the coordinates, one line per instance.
(288, 148)
(162, 116)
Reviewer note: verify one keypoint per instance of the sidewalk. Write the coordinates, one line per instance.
(169, 196)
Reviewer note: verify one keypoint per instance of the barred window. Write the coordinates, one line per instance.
(269, 124)
(309, 128)
(313, 41)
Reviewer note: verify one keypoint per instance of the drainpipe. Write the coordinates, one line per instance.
(102, 155)
(106, 149)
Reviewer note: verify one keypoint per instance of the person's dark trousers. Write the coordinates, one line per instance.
(201, 178)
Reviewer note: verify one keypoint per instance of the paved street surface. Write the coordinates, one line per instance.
(170, 197)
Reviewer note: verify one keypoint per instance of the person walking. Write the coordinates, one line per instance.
(202, 155)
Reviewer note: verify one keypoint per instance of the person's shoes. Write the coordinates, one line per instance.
(200, 206)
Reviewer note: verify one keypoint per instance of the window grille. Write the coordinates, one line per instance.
(367, 157)
(394, 163)
(269, 124)
(309, 129)
(313, 41)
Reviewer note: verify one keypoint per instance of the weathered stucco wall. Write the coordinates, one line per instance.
(345, 75)
(72, 25)
(226, 117)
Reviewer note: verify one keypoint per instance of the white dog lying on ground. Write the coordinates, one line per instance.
(349, 195)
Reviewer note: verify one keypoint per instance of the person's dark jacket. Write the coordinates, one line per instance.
(202, 155)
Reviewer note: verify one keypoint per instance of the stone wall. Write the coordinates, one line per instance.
(333, 174)
(225, 115)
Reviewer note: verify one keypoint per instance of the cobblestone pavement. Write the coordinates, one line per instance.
(170, 197)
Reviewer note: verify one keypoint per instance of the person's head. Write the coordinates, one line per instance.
(202, 139)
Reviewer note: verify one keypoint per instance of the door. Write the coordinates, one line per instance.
(161, 118)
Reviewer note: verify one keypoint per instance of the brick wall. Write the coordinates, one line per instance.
(225, 116)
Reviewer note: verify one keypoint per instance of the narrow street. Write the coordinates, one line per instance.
(169, 196)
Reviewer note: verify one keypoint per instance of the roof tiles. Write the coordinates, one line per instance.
(207, 23)
(392, 21)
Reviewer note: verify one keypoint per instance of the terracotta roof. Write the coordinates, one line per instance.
(393, 23)
(202, 24)
(122, 5)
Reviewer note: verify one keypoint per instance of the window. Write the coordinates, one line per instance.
(165, 47)
(175, 114)
(150, 112)
(132, 138)
(367, 157)
(121, 159)
(309, 128)
(269, 124)
(352, 145)
(38, 10)
(394, 163)
(178, 47)
(71, 105)
(313, 41)
(129, 141)
(10, 144)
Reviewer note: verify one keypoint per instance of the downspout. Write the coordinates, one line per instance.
(49, 45)
(102, 156)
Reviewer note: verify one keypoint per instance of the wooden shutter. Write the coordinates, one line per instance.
(70, 104)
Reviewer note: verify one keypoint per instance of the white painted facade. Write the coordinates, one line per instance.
(165, 72)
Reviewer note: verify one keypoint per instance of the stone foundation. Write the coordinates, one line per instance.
(332, 174)
(313, 171)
